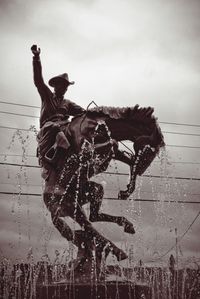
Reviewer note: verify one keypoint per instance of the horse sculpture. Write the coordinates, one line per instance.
(92, 148)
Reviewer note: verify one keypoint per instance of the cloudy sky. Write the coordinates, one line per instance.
(119, 53)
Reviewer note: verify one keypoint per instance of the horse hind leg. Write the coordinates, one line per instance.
(62, 227)
(104, 244)
(77, 236)
(97, 216)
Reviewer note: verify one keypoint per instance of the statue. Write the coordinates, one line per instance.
(70, 153)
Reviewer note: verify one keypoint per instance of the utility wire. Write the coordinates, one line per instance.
(14, 128)
(166, 132)
(169, 145)
(156, 176)
(111, 173)
(21, 105)
(155, 161)
(20, 165)
(162, 122)
(174, 145)
(18, 114)
(180, 133)
(108, 189)
(183, 146)
(179, 240)
(179, 124)
(29, 156)
(107, 198)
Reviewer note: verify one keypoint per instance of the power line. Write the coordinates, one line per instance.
(108, 189)
(26, 185)
(162, 122)
(20, 193)
(179, 124)
(168, 145)
(17, 104)
(19, 114)
(107, 198)
(183, 162)
(180, 133)
(110, 173)
(20, 165)
(154, 200)
(156, 161)
(156, 176)
(182, 146)
(15, 128)
(174, 145)
(180, 238)
(29, 156)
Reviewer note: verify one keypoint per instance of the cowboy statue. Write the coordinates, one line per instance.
(72, 152)
(54, 147)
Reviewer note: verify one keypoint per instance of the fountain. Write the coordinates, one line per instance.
(29, 276)
(79, 150)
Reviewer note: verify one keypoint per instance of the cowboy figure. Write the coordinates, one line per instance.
(53, 139)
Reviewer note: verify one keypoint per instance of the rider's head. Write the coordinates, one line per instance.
(60, 84)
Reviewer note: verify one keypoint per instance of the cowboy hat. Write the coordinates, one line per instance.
(60, 78)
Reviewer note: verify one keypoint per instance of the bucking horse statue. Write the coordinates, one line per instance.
(94, 137)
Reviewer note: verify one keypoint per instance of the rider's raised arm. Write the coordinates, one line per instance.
(43, 89)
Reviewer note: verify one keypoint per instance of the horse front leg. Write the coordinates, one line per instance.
(128, 159)
(124, 157)
(95, 194)
(144, 155)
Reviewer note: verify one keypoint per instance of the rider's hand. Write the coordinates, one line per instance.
(114, 143)
(35, 50)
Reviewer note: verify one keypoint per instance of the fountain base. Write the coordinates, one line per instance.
(109, 290)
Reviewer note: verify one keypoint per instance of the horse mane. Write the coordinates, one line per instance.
(136, 113)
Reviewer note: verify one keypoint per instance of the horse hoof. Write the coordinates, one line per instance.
(120, 254)
(128, 228)
(123, 195)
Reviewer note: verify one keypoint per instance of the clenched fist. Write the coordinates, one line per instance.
(35, 50)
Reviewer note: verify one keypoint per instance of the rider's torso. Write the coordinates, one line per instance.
(53, 110)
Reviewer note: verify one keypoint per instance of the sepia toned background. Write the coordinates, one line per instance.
(119, 53)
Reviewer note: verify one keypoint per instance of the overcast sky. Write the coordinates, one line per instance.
(119, 53)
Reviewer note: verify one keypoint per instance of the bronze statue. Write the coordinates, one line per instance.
(70, 153)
